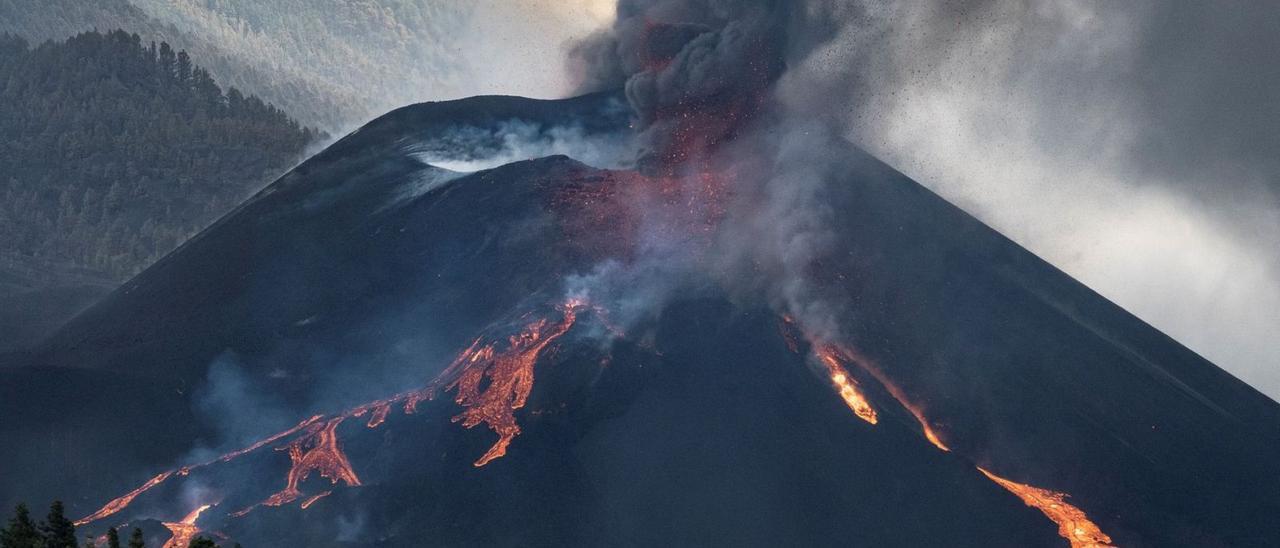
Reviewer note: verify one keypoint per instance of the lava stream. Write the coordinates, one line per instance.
(185, 530)
(845, 385)
(321, 453)
(1073, 524)
(316, 447)
(122, 502)
(509, 372)
(313, 498)
(379, 415)
(871, 368)
(227, 457)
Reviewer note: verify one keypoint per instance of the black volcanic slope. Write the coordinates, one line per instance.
(364, 271)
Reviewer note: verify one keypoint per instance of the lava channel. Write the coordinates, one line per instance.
(509, 372)
(185, 530)
(1073, 524)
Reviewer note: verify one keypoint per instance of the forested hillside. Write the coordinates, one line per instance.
(329, 63)
(116, 150)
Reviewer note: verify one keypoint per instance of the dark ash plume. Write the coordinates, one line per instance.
(695, 71)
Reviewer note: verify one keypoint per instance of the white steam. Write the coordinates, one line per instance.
(470, 149)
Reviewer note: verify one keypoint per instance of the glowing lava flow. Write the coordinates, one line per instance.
(224, 458)
(185, 530)
(121, 502)
(509, 373)
(898, 394)
(319, 452)
(491, 383)
(313, 498)
(845, 385)
(1073, 524)
(379, 415)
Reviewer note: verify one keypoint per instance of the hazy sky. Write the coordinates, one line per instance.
(518, 47)
(1134, 145)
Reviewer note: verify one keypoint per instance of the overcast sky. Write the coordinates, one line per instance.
(1133, 144)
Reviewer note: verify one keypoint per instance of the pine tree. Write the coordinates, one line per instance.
(167, 62)
(58, 531)
(135, 539)
(122, 131)
(113, 538)
(183, 68)
(21, 532)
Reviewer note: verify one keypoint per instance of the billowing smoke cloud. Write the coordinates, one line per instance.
(1128, 144)
(695, 71)
(237, 406)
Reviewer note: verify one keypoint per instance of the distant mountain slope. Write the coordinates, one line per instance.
(116, 151)
(369, 56)
(40, 20)
(333, 63)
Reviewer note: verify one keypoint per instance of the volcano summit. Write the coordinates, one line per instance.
(715, 324)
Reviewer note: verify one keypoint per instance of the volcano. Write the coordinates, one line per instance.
(551, 353)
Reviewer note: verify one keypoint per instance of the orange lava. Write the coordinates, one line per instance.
(873, 369)
(1073, 524)
(120, 503)
(316, 447)
(319, 452)
(846, 385)
(379, 415)
(123, 501)
(268, 441)
(509, 373)
(313, 498)
(929, 435)
(834, 357)
(185, 530)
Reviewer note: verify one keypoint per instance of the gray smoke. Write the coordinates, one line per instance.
(701, 77)
(238, 406)
(1131, 144)
(694, 71)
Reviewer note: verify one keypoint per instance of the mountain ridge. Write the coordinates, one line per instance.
(978, 360)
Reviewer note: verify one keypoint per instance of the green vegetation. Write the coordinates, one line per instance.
(135, 539)
(56, 531)
(116, 151)
(329, 63)
(21, 531)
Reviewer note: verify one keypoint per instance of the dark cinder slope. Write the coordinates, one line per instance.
(711, 429)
